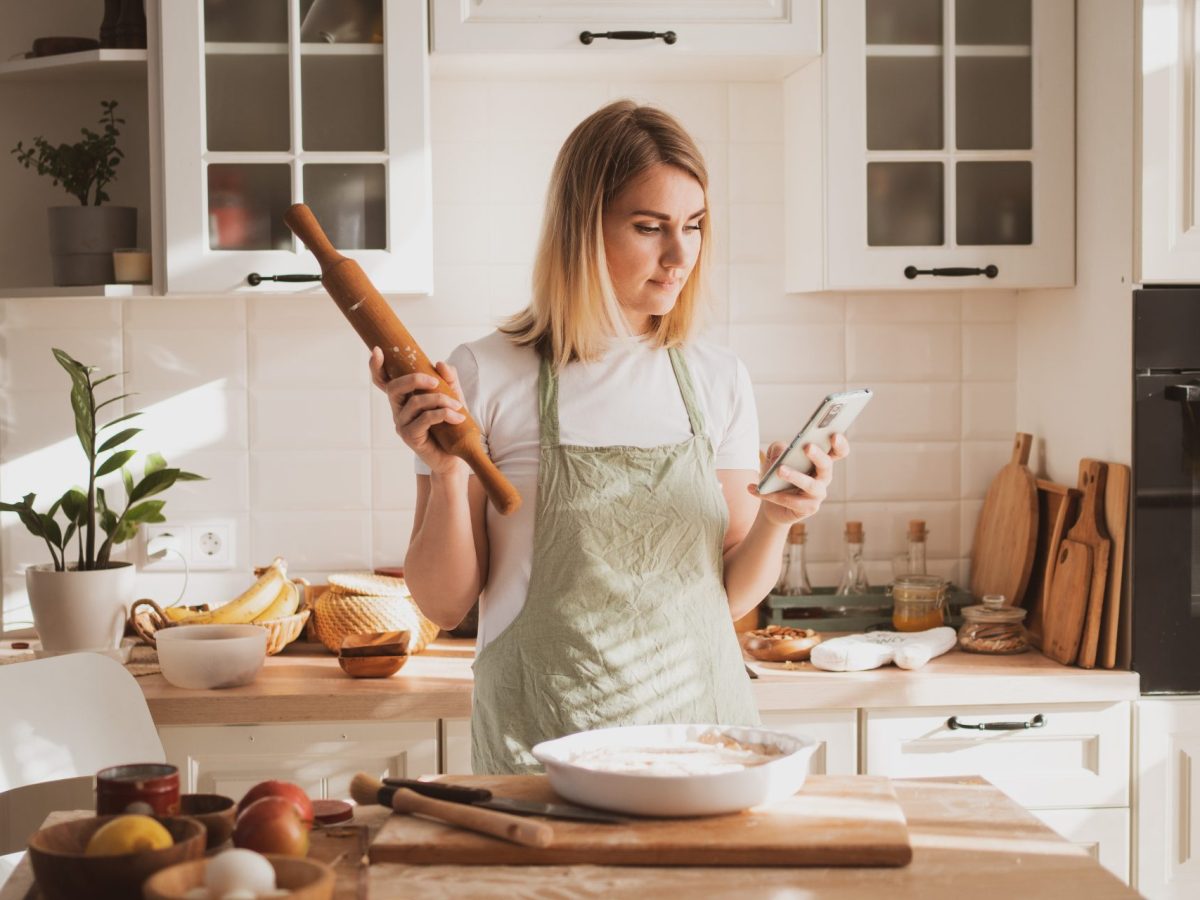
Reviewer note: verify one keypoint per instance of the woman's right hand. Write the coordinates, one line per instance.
(417, 405)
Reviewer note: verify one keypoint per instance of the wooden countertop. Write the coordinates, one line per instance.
(968, 839)
(305, 684)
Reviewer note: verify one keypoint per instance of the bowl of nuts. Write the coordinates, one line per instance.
(780, 643)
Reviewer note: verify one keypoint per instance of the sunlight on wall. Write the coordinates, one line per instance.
(1160, 38)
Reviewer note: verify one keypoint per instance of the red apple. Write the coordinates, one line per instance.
(284, 789)
(271, 825)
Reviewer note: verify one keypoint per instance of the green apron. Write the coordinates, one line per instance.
(626, 621)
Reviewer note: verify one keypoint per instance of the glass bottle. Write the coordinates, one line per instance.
(854, 573)
(793, 579)
(916, 546)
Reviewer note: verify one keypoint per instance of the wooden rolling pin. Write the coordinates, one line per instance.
(378, 326)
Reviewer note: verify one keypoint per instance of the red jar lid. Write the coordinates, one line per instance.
(331, 812)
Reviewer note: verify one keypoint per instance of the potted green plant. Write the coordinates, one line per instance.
(82, 604)
(83, 237)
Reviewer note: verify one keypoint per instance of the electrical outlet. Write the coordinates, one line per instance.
(206, 546)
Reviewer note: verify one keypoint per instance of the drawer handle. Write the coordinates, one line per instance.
(1038, 721)
(586, 37)
(911, 272)
(254, 279)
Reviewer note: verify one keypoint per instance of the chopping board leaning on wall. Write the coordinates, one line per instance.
(1006, 533)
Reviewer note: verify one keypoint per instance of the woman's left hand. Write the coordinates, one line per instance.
(808, 492)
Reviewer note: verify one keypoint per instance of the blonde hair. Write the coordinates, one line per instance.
(574, 309)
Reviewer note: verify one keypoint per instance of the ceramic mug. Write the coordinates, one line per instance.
(148, 788)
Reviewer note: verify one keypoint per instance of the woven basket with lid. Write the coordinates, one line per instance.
(361, 602)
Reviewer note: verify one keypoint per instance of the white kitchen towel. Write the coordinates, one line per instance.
(908, 650)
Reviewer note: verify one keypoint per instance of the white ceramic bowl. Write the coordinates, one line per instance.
(203, 657)
(647, 794)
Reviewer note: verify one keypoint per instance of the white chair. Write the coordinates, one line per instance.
(62, 719)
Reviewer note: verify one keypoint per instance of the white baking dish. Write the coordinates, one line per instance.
(646, 794)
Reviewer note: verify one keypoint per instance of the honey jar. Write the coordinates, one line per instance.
(918, 602)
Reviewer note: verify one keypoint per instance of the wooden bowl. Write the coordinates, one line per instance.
(64, 873)
(215, 812)
(762, 646)
(371, 666)
(306, 879)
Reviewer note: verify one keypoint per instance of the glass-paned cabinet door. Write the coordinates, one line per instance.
(273, 102)
(949, 143)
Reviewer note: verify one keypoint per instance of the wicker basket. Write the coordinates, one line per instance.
(336, 615)
(147, 617)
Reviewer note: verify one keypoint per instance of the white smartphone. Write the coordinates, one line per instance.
(833, 416)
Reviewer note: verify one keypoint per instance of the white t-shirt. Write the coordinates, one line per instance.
(628, 398)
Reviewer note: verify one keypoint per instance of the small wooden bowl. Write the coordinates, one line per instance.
(306, 879)
(371, 666)
(779, 649)
(64, 873)
(215, 812)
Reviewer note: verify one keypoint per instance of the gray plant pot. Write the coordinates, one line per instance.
(82, 239)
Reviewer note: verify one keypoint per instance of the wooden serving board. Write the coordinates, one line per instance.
(1056, 512)
(1006, 534)
(844, 820)
(1116, 517)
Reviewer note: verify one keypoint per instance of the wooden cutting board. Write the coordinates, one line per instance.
(843, 820)
(1006, 534)
(1080, 576)
(1116, 516)
(1057, 504)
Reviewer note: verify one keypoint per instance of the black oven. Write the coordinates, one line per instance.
(1165, 538)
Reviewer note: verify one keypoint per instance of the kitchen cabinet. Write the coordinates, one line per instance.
(1168, 800)
(320, 757)
(1104, 833)
(1167, 246)
(772, 37)
(274, 102)
(933, 135)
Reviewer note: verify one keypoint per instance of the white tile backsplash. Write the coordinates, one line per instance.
(269, 395)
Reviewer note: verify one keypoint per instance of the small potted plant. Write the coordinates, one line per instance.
(83, 237)
(82, 603)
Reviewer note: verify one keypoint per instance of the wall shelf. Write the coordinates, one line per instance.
(112, 65)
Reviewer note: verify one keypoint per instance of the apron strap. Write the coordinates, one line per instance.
(548, 398)
(683, 376)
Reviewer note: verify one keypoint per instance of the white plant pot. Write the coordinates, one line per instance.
(75, 610)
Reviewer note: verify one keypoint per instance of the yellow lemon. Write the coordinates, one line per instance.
(128, 834)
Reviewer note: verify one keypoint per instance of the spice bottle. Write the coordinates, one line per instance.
(793, 579)
(916, 546)
(992, 627)
(854, 573)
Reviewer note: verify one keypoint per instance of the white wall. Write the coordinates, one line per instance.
(269, 396)
(1074, 382)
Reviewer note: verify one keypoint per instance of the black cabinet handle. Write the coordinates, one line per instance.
(911, 272)
(254, 279)
(586, 37)
(1185, 393)
(1037, 721)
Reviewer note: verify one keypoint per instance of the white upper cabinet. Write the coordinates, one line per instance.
(1168, 244)
(933, 135)
(267, 103)
(773, 35)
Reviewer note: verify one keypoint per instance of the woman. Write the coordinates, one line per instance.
(608, 598)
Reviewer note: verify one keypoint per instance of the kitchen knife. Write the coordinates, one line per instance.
(482, 797)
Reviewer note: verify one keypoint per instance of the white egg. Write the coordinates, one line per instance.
(239, 870)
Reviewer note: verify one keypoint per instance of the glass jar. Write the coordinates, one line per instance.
(992, 627)
(918, 602)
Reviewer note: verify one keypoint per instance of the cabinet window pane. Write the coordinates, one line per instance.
(246, 203)
(904, 103)
(246, 21)
(994, 103)
(904, 21)
(247, 101)
(995, 203)
(349, 201)
(333, 22)
(342, 99)
(904, 205)
(992, 22)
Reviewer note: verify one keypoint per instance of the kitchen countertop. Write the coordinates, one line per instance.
(305, 684)
(968, 838)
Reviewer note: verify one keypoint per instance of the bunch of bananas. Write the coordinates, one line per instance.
(272, 596)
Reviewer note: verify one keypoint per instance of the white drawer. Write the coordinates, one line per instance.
(835, 731)
(1079, 757)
